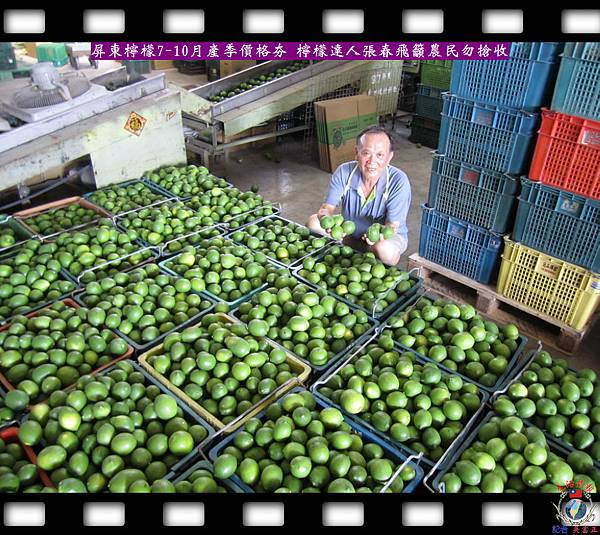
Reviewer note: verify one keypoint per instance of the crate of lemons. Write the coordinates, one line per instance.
(18, 470)
(117, 432)
(231, 206)
(51, 349)
(310, 323)
(60, 219)
(503, 454)
(99, 251)
(459, 339)
(298, 444)
(563, 402)
(184, 181)
(360, 279)
(222, 368)
(403, 399)
(31, 277)
(223, 270)
(144, 304)
(125, 197)
(281, 240)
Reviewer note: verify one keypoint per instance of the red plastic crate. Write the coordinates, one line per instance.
(567, 154)
(11, 434)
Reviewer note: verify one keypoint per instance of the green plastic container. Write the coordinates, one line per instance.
(55, 53)
(138, 67)
(436, 73)
(8, 61)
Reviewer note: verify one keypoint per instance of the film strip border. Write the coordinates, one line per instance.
(377, 23)
(410, 513)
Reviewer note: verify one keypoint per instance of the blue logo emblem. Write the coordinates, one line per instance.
(575, 509)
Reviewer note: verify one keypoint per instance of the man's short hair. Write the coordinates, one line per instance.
(375, 130)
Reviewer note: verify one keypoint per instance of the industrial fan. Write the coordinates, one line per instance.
(51, 93)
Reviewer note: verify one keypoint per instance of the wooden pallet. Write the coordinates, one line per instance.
(489, 301)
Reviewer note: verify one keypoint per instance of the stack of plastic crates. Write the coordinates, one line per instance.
(487, 132)
(552, 262)
(435, 79)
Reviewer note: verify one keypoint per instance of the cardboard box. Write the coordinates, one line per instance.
(338, 122)
(162, 64)
(228, 67)
(31, 49)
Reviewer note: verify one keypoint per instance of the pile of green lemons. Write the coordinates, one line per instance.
(226, 368)
(118, 199)
(114, 432)
(280, 240)
(508, 456)
(357, 277)
(60, 219)
(458, 338)
(143, 304)
(564, 403)
(222, 268)
(313, 325)
(52, 350)
(298, 446)
(413, 404)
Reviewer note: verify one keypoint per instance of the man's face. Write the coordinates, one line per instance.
(373, 155)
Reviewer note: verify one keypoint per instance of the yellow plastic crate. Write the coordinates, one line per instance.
(302, 370)
(563, 291)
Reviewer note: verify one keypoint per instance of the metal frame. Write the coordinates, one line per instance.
(316, 82)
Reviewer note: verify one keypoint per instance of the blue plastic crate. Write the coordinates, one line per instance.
(232, 304)
(398, 304)
(188, 414)
(554, 447)
(577, 90)
(295, 262)
(141, 347)
(228, 484)
(391, 452)
(538, 420)
(123, 267)
(479, 196)
(485, 396)
(498, 138)
(319, 370)
(467, 249)
(523, 81)
(159, 189)
(559, 223)
(21, 235)
(515, 362)
(125, 184)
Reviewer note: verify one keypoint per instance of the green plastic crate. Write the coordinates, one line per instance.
(424, 131)
(429, 102)
(138, 67)
(436, 73)
(55, 53)
(7, 57)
